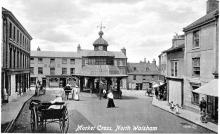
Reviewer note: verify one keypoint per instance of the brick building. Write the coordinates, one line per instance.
(16, 43)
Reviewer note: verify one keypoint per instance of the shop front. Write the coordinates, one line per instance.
(210, 90)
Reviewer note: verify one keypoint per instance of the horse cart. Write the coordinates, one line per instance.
(42, 114)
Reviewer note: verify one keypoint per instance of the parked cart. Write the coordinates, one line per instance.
(42, 114)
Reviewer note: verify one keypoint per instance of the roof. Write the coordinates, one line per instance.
(100, 71)
(173, 49)
(203, 20)
(210, 88)
(54, 54)
(143, 68)
(100, 41)
(7, 12)
(117, 54)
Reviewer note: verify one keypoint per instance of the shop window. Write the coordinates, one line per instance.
(196, 66)
(195, 96)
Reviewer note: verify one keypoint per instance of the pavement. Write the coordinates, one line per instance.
(10, 111)
(186, 114)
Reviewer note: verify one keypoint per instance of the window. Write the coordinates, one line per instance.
(196, 66)
(134, 77)
(52, 61)
(52, 71)
(64, 71)
(174, 68)
(17, 36)
(195, 96)
(10, 30)
(72, 61)
(135, 68)
(40, 70)
(64, 61)
(195, 39)
(14, 32)
(32, 70)
(20, 38)
(72, 70)
(40, 60)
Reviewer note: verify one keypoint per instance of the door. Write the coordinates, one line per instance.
(44, 82)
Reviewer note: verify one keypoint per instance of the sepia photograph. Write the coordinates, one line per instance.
(109, 66)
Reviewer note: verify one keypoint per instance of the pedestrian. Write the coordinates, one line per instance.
(156, 93)
(37, 87)
(110, 99)
(202, 104)
(104, 94)
(203, 116)
(76, 93)
(67, 90)
(172, 106)
(177, 108)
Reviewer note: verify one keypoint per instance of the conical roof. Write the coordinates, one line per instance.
(100, 40)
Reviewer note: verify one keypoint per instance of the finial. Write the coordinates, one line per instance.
(101, 32)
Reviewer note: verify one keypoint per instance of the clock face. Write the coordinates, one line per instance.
(100, 48)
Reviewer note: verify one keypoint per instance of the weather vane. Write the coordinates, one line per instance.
(101, 26)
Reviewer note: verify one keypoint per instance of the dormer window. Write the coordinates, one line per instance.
(135, 68)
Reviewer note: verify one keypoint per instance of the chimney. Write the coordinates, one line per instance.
(123, 50)
(211, 5)
(38, 49)
(78, 48)
(154, 61)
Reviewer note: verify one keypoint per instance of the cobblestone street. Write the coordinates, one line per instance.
(133, 113)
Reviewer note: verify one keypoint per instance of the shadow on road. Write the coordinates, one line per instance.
(128, 97)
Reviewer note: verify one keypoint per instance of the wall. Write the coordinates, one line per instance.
(207, 54)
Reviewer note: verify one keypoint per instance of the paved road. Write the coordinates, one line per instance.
(134, 113)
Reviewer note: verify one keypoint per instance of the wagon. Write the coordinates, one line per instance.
(41, 115)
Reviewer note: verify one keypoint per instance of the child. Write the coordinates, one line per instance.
(177, 108)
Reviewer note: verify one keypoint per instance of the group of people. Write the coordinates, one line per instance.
(39, 88)
(161, 93)
(174, 107)
(74, 91)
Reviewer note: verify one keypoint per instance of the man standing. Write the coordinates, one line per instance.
(202, 104)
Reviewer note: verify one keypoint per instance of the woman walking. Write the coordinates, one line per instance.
(110, 99)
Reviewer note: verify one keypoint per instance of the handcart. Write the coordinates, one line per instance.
(41, 115)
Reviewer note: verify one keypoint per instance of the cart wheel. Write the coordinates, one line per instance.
(64, 122)
(33, 121)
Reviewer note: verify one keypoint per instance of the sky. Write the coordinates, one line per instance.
(144, 27)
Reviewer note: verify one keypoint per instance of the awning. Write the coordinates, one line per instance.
(210, 88)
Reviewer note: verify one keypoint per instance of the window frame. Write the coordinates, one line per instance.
(174, 68)
(52, 69)
(38, 70)
(72, 61)
(196, 67)
(64, 69)
(196, 40)
(64, 60)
